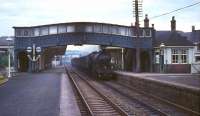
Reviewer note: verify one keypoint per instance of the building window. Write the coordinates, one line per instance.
(198, 47)
(197, 58)
(179, 56)
(147, 32)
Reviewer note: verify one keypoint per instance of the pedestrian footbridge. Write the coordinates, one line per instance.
(54, 38)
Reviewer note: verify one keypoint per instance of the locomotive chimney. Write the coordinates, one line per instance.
(173, 24)
(146, 21)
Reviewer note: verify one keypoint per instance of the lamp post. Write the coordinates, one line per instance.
(34, 52)
(9, 50)
(162, 45)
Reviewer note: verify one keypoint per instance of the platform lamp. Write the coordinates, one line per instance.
(162, 45)
(9, 39)
(33, 51)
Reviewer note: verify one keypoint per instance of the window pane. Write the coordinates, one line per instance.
(62, 29)
(132, 31)
(36, 32)
(174, 51)
(70, 28)
(18, 32)
(114, 30)
(157, 59)
(198, 46)
(53, 30)
(183, 59)
(174, 58)
(44, 31)
(105, 29)
(122, 31)
(97, 28)
(197, 58)
(89, 28)
(25, 32)
(141, 32)
(183, 51)
(147, 32)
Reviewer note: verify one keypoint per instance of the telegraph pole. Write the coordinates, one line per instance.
(137, 10)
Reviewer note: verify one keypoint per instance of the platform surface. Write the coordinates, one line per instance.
(47, 93)
(187, 80)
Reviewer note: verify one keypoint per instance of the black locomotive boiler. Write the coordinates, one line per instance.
(97, 63)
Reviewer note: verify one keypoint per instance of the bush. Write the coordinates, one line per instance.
(4, 60)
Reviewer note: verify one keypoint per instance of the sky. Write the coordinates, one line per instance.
(39, 12)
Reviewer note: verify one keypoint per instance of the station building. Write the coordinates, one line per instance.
(173, 52)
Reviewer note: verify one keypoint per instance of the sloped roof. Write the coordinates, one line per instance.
(170, 38)
(195, 36)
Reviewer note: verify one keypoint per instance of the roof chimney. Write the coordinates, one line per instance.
(146, 21)
(153, 26)
(173, 24)
(193, 28)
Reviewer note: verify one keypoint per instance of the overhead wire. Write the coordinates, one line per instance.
(197, 3)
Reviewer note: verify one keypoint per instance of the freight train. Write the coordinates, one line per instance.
(98, 64)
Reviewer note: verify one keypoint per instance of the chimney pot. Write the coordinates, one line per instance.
(153, 26)
(193, 28)
(146, 21)
(173, 24)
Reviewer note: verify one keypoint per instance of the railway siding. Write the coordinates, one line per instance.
(186, 97)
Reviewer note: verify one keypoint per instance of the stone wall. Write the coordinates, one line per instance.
(185, 97)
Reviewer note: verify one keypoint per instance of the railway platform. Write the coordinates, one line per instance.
(68, 104)
(185, 80)
(182, 90)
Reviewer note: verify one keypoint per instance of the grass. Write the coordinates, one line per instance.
(2, 79)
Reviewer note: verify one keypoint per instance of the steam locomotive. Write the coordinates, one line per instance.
(97, 63)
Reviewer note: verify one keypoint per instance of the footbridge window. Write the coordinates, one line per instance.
(122, 31)
(44, 31)
(106, 29)
(36, 32)
(114, 30)
(90, 27)
(23, 32)
(97, 28)
(70, 28)
(53, 30)
(62, 29)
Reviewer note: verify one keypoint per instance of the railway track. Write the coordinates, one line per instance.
(135, 103)
(145, 104)
(96, 103)
(132, 107)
